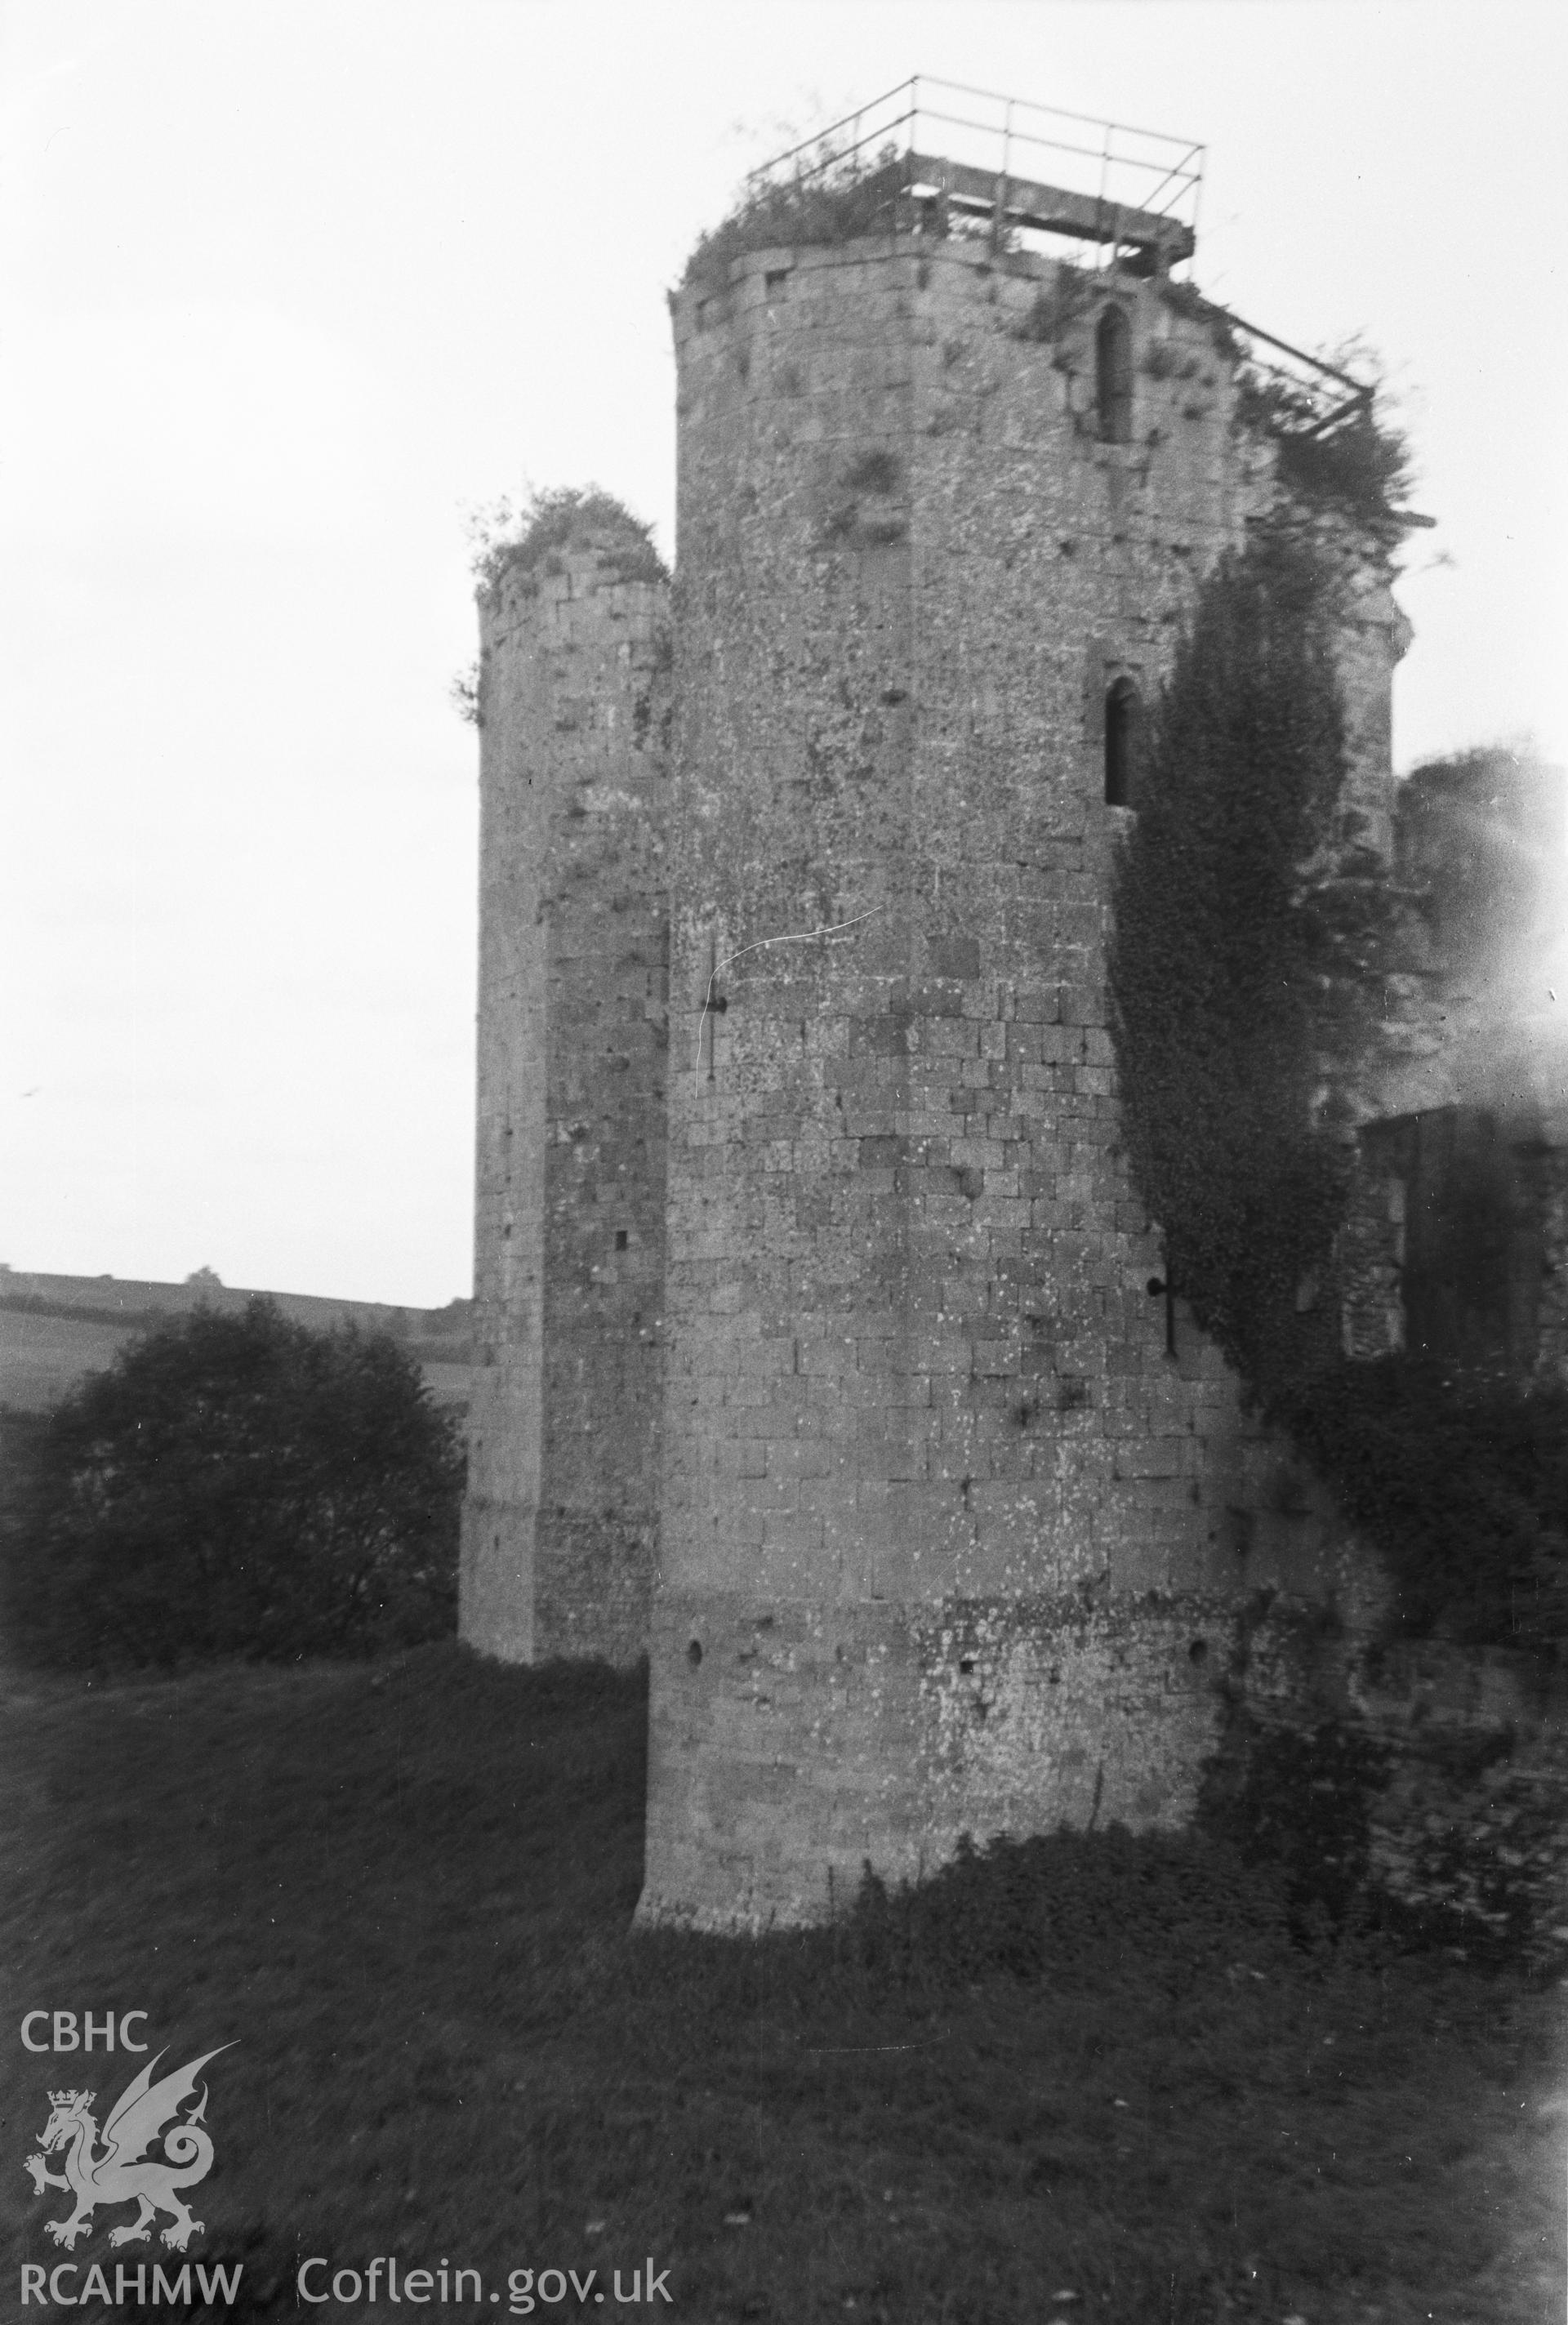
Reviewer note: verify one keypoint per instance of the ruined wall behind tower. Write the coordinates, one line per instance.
(948, 1524)
(559, 1523)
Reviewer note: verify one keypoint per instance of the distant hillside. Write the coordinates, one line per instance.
(53, 1329)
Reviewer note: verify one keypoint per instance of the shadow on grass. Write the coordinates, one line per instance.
(1089, 2065)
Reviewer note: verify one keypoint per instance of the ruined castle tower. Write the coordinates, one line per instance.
(560, 1525)
(955, 1508)
(946, 1541)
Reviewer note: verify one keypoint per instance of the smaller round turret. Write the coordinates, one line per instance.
(559, 1521)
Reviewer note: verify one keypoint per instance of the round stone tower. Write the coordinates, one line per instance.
(946, 1532)
(559, 1523)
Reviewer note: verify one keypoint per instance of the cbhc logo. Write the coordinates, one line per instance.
(63, 2027)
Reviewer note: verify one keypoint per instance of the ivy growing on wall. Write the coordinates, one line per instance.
(1214, 973)
(1229, 984)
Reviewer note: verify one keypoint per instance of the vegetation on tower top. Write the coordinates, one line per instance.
(524, 537)
(841, 197)
(1359, 467)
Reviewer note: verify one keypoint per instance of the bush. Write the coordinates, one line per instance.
(526, 538)
(1474, 1859)
(234, 1485)
(1478, 836)
(1070, 1907)
(1463, 1486)
(1301, 1803)
(1360, 467)
(1428, 1840)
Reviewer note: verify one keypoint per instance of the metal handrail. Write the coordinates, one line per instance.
(1362, 393)
(819, 136)
(1034, 105)
(1177, 166)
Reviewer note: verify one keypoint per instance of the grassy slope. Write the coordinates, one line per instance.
(42, 1359)
(403, 1892)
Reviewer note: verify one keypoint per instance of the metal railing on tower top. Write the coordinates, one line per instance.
(1027, 168)
(1010, 141)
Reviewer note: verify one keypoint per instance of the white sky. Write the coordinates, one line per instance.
(286, 288)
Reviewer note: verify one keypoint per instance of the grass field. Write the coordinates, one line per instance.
(43, 1356)
(403, 1891)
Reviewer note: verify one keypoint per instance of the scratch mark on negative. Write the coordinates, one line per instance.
(799, 936)
(860, 2050)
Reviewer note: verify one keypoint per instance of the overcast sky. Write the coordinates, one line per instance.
(288, 288)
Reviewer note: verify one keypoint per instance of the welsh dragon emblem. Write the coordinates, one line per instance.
(121, 2173)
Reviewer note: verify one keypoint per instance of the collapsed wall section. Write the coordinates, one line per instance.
(559, 1523)
(952, 1490)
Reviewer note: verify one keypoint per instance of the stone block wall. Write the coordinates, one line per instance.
(826, 1352)
(560, 1527)
(948, 1514)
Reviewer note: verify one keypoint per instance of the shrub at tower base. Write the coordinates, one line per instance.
(1235, 962)
(234, 1485)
